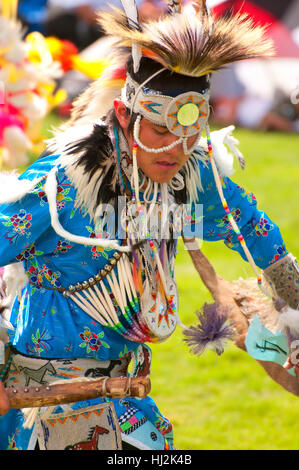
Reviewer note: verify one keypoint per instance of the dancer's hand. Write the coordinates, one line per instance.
(293, 359)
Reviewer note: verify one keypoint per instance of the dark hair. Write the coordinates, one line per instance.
(168, 82)
(111, 117)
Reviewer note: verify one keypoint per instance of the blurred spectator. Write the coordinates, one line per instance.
(33, 14)
(234, 102)
(76, 20)
(256, 93)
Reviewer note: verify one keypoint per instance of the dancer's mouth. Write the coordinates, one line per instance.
(166, 165)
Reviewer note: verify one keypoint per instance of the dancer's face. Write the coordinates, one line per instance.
(162, 166)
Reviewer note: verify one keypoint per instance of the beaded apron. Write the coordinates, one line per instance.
(82, 426)
(67, 427)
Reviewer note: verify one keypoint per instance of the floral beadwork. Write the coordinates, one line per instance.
(92, 341)
(248, 195)
(98, 251)
(41, 342)
(263, 226)
(12, 443)
(63, 189)
(62, 246)
(62, 196)
(68, 348)
(36, 274)
(20, 223)
(39, 191)
(280, 251)
(28, 253)
(51, 276)
(224, 222)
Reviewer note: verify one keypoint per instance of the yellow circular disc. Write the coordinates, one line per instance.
(188, 114)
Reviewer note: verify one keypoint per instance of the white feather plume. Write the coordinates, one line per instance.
(15, 279)
(12, 189)
(289, 320)
(12, 281)
(132, 14)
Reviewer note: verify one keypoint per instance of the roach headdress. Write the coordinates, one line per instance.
(186, 43)
(190, 41)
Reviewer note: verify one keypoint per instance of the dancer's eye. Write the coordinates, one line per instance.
(161, 131)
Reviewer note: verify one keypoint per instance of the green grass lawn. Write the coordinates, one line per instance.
(229, 402)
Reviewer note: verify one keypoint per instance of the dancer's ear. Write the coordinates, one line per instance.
(122, 114)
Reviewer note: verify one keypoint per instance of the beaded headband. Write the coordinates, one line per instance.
(184, 115)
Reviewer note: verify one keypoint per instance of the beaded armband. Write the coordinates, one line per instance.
(283, 276)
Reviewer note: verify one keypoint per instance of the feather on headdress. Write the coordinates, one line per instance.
(188, 43)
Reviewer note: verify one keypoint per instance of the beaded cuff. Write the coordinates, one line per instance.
(283, 276)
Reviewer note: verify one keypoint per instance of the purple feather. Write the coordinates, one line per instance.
(162, 252)
(136, 259)
(212, 332)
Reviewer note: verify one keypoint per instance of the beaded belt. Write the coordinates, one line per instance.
(79, 286)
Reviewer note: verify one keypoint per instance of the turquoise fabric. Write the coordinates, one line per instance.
(263, 345)
(47, 325)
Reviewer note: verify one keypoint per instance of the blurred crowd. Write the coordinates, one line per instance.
(257, 94)
(262, 94)
(76, 20)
